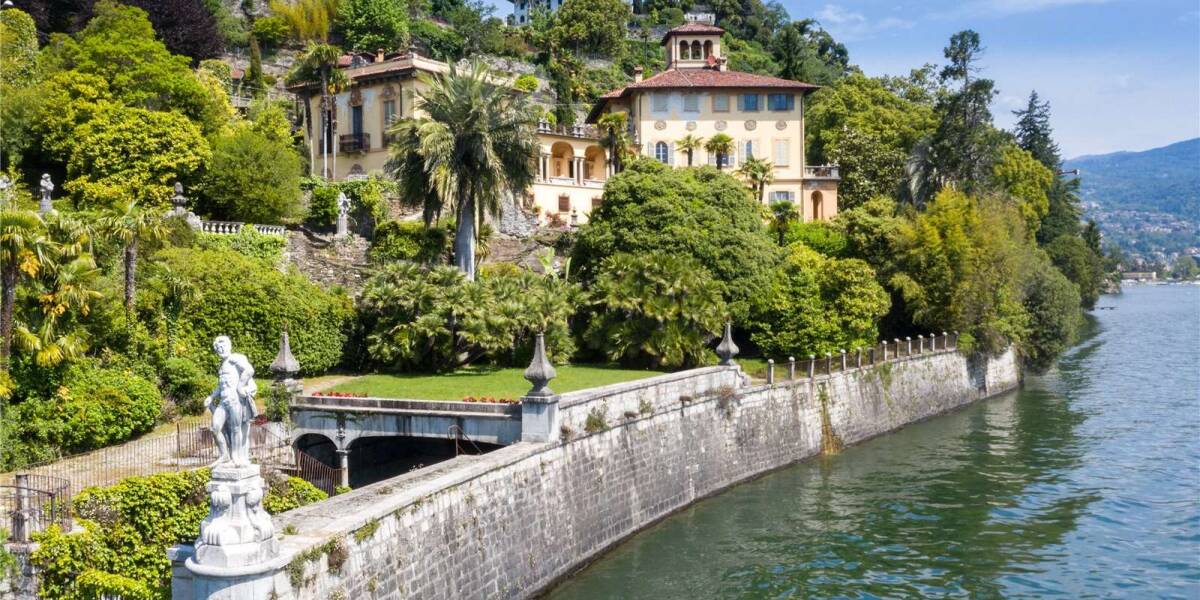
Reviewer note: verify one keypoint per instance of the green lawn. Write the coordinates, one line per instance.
(485, 381)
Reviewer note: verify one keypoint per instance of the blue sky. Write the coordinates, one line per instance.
(1119, 74)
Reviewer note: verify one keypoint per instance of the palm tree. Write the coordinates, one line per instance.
(50, 336)
(318, 62)
(783, 214)
(407, 166)
(24, 249)
(477, 143)
(759, 173)
(615, 137)
(175, 291)
(720, 145)
(689, 144)
(132, 224)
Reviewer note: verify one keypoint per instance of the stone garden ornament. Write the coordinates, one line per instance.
(47, 188)
(237, 537)
(343, 215)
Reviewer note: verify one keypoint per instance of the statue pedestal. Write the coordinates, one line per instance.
(237, 549)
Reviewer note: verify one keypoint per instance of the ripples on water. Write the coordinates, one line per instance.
(1086, 483)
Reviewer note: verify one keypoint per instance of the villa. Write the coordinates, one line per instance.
(695, 95)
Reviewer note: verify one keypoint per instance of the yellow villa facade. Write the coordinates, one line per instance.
(696, 95)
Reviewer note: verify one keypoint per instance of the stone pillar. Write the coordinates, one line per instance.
(726, 350)
(344, 465)
(24, 519)
(828, 363)
(843, 359)
(770, 371)
(236, 554)
(539, 406)
(897, 353)
(920, 343)
(858, 361)
(945, 341)
(578, 170)
(955, 340)
(871, 355)
(812, 366)
(791, 368)
(284, 368)
(884, 345)
(908, 346)
(544, 170)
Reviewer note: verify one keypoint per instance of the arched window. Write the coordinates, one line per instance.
(708, 49)
(683, 50)
(662, 152)
(696, 51)
(817, 209)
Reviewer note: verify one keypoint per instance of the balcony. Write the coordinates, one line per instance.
(587, 132)
(354, 142)
(821, 172)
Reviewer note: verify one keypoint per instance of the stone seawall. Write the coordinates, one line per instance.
(510, 523)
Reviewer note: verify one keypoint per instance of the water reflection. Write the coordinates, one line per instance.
(1084, 483)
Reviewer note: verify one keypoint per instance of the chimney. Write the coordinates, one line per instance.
(722, 64)
(637, 74)
(379, 55)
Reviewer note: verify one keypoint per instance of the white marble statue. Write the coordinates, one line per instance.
(232, 404)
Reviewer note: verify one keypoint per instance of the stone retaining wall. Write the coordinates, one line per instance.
(511, 523)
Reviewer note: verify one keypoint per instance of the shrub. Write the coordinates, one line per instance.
(186, 384)
(252, 178)
(527, 83)
(289, 493)
(650, 210)
(271, 31)
(410, 241)
(277, 404)
(655, 310)
(818, 304)
(323, 206)
(248, 242)
(822, 237)
(432, 318)
(250, 301)
(94, 407)
(1053, 305)
(128, 528)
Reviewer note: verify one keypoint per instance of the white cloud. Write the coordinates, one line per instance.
(1000, 8)
(849, 25)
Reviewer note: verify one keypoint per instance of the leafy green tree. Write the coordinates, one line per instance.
(1052, 303)
(818, 304)
(689, 144)
(655, 310)
(759, 173)
(310, 20)
(1080, 265)
(1027, 180)
(651, 209)
(368, 25)
(133, 153)
(965, 144)
(747, 56)
(868, 168)
(252, 178)
(824, 238)
(18, 49)
(591, 26)
(615, 138)
(869, 231)
(719, 145)
(805, 52)
(475, 145)
(119, 46)
(1184, 267)
(132, 224)
(186, 27)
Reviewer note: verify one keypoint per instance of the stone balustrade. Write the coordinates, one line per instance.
(234, 227)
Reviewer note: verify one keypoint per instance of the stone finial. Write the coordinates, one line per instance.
(285, 364)
(726, 350)
(179, 201)
(540, 371)
(46, 205)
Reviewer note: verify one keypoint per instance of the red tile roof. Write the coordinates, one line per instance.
(693, 28)
(700, 79)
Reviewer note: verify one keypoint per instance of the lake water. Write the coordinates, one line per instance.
(1086, 483)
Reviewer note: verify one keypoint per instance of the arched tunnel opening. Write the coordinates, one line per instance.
(377, 458)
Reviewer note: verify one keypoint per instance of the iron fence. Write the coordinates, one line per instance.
(32, 503)
(847, 360)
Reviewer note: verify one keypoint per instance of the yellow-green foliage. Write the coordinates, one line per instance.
(1024, 178)
(127, 530)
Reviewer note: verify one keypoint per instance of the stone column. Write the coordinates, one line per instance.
(544, 171)
(908, 346)
(843, 359)
(791, 368)
(578, 170)
(770, 371)
(858, 361)
(812, 366)
(920, 343)
(828, 363)
(539, 406)
(871, 355)
(945, 341)
(344, 465)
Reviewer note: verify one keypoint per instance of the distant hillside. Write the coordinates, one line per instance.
(1165, 180)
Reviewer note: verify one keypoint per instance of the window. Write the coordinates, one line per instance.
(708, 47)
(658, 102)
(596, 202)
(749, 149)
(564, 203)
(389, 112)
(662, 153)
(782, 152)
(691, 103)
(696, 51)
(683, 51)
(749, 102)
(783, 196)
(720, 103)
(781, 102)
